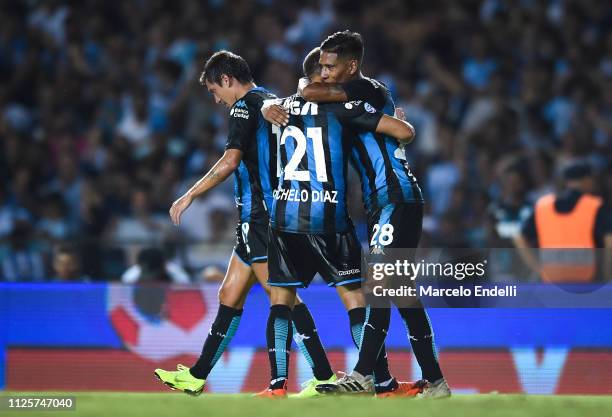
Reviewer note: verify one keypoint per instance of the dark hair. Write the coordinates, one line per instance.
(346, 44)
(228, 63)
(311, 66)
(68, 249)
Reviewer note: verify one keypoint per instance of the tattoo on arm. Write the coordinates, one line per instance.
(213, 175)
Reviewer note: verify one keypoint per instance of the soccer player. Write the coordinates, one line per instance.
(251, 155)
(394, 206)
(310, 229)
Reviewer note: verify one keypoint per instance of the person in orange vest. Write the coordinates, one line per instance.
(567, 227)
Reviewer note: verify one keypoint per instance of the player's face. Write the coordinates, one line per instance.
(223, 93)
(335, 70)
(316, 78)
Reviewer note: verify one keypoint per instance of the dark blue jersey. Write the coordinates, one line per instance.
(380, 160)
(255, 177)
(313, 155)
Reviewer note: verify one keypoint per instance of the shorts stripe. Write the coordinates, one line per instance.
(241, 260)
(348, 281)
(257, 258)
(285, 284)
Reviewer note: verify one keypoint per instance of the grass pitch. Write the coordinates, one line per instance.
(94, 404)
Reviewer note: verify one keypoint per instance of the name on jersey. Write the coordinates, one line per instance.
(303, 196)
(298, 108)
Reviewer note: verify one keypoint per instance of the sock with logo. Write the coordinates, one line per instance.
(220, 335)
(278, 336)
(357, 318)
(421, 338)
(306, 336)
(373, 338)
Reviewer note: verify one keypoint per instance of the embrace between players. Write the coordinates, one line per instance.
(290, 159)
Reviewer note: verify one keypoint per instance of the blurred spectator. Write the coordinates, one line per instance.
(100, 105)
(152, 266)
(573, 218)
(10, 213)
(141, 225)
(67, 265)
(510, 209)
(21, 259)
(53, 224)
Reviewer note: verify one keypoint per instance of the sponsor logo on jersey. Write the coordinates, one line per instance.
(348, 272)
(241, 113)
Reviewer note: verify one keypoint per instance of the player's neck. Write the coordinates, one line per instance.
(358, 75)
(242, 89)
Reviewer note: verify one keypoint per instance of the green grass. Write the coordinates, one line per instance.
(240, 405)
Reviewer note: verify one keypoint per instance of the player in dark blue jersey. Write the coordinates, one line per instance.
(392, 199)
(311, 231)
(250, 154)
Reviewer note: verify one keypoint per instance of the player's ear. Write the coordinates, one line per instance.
(353, 67)
(226, 81)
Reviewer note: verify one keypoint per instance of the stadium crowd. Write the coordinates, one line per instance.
(103, 123)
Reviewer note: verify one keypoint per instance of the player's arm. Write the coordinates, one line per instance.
(365, 118)
(396, 128)
(224, 167)
(322, 92)
(242, 126)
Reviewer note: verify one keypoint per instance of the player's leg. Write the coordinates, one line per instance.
(279, 333)
(232, 293)
(286, 273)
(406, 221)
(339, 263)
(304, 328)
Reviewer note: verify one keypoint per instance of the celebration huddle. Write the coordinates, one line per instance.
(290, 158)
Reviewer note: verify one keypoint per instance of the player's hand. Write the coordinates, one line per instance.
(178, 207)
(275, 114)
(400, 114)
(302, 84)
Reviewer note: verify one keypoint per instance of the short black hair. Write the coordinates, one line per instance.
(346, 44)
(311, 63)
(68, 249)
(228, 63)
(577, 170)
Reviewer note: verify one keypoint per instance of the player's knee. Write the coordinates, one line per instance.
(281, 295)
(228, 296)
(267, 290)
(351, 297)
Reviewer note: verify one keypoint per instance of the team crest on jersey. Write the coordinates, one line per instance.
(242, 104)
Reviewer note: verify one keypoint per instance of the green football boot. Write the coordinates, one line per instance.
(181, 380)
(308, 387)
